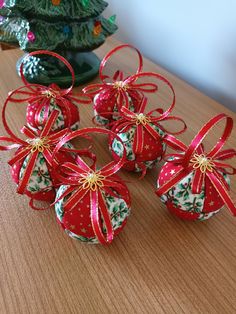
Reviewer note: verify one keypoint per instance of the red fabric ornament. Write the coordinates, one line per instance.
(194, 184)
(92, 204)
(117, 91)
(105, 106)
(77, 220)
(49, 99)
(142, 134)
(31, 165)
(43, 100)
(183, 203)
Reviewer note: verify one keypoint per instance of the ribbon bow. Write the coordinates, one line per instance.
(204, 165)
(42, 96)
(119, 87)
(38, 142)
(143, 122)
(83, 180)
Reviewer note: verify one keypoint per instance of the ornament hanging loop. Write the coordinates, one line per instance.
(199, 138)
(53, 54)
(113, 52)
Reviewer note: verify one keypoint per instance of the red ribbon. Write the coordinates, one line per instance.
(209, 165)
(118, 87)
(42, 96)
(37, 142)
(76, 177)
(143, 122)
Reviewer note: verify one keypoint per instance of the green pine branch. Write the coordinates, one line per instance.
(44, 9)
(79, 36)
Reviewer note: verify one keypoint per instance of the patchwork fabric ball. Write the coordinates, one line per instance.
(77, 222)
(119, 90)
(92, 204)
(181, 201)
(42, 104)
(194, 184)
(43, 100)
(153, 148)
(107, 106)
(32, 164)
(142, 136)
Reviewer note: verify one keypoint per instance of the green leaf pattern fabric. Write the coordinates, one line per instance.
(117, 207)
(128, 139)
(181, 196)
(40, 178)
(60, 122)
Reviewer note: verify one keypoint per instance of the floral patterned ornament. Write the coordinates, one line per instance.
(43, 100)
(92, 205)
(32, 162)
(117, 91)
(142, 136)
(194, 184)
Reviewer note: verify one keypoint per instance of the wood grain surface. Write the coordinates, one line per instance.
(159, 264)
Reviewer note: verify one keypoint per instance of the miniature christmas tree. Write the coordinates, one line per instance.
(71, 28)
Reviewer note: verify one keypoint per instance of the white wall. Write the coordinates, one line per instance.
(194, 39)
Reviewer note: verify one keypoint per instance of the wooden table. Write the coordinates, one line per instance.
(159, 264)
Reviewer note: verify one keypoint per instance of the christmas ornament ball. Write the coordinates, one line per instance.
(153, 150)
(180, 200)
(77, 222)
(106, 107)
(62, 119)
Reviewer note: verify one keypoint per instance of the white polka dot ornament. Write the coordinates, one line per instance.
(92, 204)
(195, 184)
